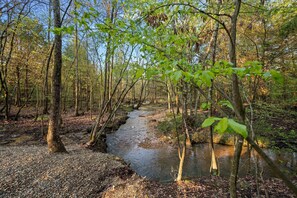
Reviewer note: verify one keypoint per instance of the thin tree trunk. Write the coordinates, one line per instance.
(3, 73)
(26, 82)
(76, 66)
(91, 98)
(185, 115)
(237, 101)
(181, 162)
(214, 166)
(168, 98)
(110, 80)
(46, 88)
(53, 139)
(177, 101)
(18, 94)
(197, 101)
(271, 164)
(7, 108)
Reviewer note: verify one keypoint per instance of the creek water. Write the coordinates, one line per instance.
(161, 162)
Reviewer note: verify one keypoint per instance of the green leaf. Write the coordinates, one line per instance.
(188, 76)
(77, 4)
(208, 122)
(222, 125)
(57, 31)
(239, 71)
(276, 76)
(177, 75)
(238, 128)
(206, 77)
(226, 103)
(204, 106)
(139, 72)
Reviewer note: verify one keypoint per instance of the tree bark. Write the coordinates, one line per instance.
(76, 66)
(213, 166)
(53, 139)
(18, 91)
(181, 162)
(237, 101)
(46, 89)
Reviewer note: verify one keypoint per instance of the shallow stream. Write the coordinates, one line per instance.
(161, 162)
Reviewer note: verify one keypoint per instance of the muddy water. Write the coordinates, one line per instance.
(161, 162)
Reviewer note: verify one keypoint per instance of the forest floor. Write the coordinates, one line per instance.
(27, 170)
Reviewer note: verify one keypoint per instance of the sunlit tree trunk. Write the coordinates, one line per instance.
(53, 139)
(182, 155)
(214, 165)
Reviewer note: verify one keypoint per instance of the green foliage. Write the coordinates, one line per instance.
(226, 125)
(207, 77)
(238, 128)
(275, 75)
(63, 30)
(222, 126)
(139, 73)
(226, 103)
(205, 106)
(289, 27)
(209, 121)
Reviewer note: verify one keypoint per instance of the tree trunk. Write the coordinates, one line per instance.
(26, 82)
(53, 139)
(168, 97)
(177, 101)
(181, 163)
(76, 66)
(7, 105)
(185, 115)
(237, 102)
(214, 166)
(46, 88)
(271, 164)
(18, 91)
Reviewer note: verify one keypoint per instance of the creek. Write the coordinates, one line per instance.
(160, 161)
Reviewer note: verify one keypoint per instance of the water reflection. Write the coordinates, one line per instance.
(161, 163)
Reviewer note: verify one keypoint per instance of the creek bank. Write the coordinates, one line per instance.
(29, 131)
(29, 171)
(274, 128)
